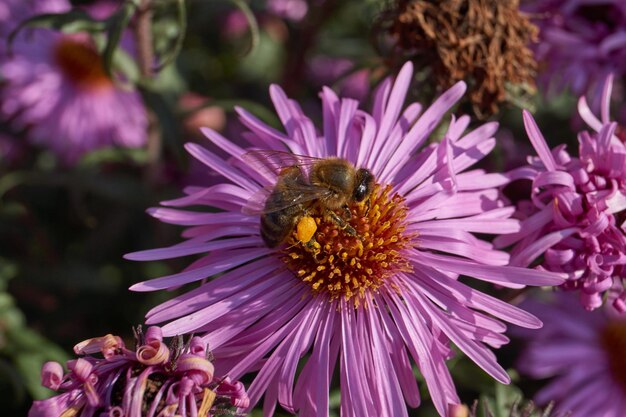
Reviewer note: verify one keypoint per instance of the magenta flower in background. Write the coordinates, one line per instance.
(583, 353)
(325, 70)
(377, 300)
(234, 24)
(54, 85)
(580, 42)
(294, 10)
(575, 216)
(154, 380)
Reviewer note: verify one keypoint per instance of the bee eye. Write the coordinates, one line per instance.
(365, 182)
(359, 193)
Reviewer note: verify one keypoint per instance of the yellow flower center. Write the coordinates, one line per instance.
(614, 342)
(81, 63)
(347, 260)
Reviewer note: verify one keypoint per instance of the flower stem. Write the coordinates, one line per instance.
(145, 60)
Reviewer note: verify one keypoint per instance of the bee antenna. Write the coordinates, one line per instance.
(291, 246)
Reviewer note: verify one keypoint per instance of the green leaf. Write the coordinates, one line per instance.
(11, 383)
(506, 397)
(26, 349)
(8, 270)
(127, 66)
(504, 400)
(468, 375)
(31, 352)
(116, 24)
(264, 62)
(113, 154)
(169, 55)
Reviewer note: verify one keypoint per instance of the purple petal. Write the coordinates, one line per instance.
(538, 141)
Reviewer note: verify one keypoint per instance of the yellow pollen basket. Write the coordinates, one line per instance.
(354, 255)
(305, 229)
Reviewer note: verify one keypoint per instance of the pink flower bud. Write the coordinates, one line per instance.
(52, 375)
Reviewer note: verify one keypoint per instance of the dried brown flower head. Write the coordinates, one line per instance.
(483, 42)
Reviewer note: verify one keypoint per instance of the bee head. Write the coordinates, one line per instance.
(364, 185)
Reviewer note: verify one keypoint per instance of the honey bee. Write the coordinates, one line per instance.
(305, 183)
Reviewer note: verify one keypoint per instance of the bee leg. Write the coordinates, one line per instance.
(347, 214)
(341, 222)
(314, 248)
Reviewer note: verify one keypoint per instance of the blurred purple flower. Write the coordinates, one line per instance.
(583, 352)
(54, 85)
(374, 299)
(294, 10)
(234, 24)
(575, 218)
(326, 70)
(154, 380)
(581, 41)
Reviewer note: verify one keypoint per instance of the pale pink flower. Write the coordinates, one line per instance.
(574, 220)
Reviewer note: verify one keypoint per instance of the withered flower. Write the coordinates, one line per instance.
(153, 380)
(482, 42)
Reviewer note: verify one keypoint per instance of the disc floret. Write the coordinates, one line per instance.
(339, 263)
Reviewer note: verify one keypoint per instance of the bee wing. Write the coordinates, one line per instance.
(256, 203)
(272, 161)
(292, 195)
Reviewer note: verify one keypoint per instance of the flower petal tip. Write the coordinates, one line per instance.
(206, 131)
(459, 88)
(408, 66)
(141, 287)
(534, 324)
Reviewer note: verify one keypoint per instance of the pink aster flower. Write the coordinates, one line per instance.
(581, 41)
(54, 85)
(574, 218)
(153, 380)
(373, 301)
(583, 353)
